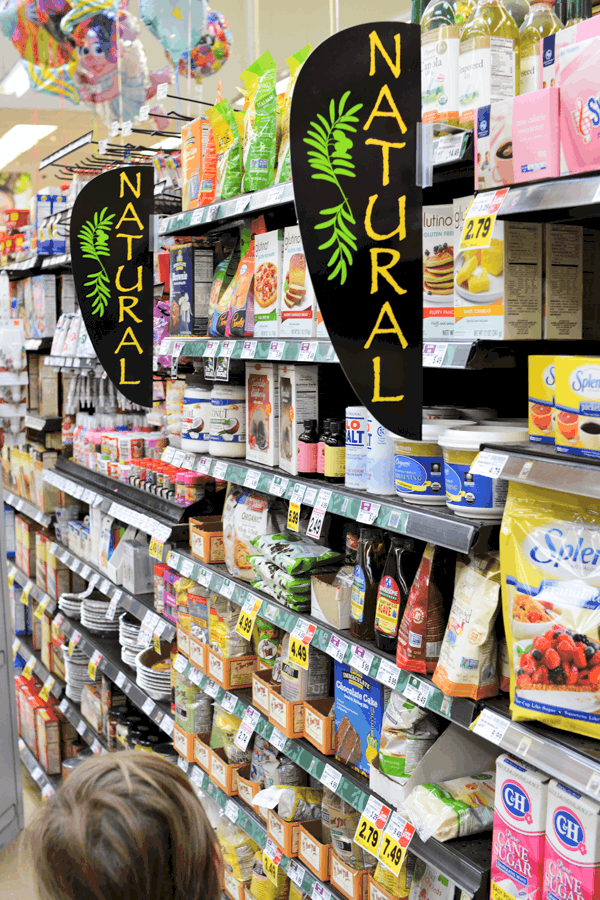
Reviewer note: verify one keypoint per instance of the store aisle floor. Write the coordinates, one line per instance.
(15, 876)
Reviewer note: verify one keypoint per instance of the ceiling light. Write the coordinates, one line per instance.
(16, 82)
(20, 138)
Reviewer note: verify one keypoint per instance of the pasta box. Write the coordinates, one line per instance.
(352, 883)
(285, 834)
(319, 724)
(222, 772)
(231, 673)
(267, 283)
(287, 715)
(202, 751)
(313, 851)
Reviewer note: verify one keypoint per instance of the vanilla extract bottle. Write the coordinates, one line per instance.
(400, 569)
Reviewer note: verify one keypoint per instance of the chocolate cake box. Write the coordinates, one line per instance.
(358, 717)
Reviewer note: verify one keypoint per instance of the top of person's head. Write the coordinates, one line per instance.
(124, 826)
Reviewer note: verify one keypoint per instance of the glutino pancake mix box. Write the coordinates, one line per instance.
(572, 847)
(577, 402)
(519, 824)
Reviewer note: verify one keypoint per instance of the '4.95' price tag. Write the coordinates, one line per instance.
(396, 838)
(245, 622)
(371, 825)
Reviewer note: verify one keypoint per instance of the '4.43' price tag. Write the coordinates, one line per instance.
(371, 825)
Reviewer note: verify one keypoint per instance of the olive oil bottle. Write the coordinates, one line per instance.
(488, 67)
(539, 23)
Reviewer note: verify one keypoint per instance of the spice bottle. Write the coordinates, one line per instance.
(367, 574)
(335, 454)
(392, 593)
(321, 446)
(307, 450)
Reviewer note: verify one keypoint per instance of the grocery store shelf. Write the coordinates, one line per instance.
(540, 465)
(83, 728)
(111, 664)
(468, 355)
(27, 507)
(73, 362)
(26, 266)
(43, 424)
(48, 784)
(23, 645)
(204, 219)
(38, 343)
(320, 351)
(48, 603)
(56, 262)
(151, 514)
(555, 200)
(139, 607)
(436, 525)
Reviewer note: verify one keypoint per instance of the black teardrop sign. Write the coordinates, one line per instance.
(353, 125)
(112, 269)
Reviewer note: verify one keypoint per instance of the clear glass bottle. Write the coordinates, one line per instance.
(488, 61)
(539, 23)
(518, 10)
(577, 11)
(440, 39)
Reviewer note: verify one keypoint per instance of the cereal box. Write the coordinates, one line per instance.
(541, 399)
(267, 283)
(577, 403)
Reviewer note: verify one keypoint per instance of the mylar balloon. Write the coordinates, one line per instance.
(212, 51)
(177, 24)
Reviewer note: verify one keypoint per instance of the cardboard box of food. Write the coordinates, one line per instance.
(352, 883)
(261, 689)
(248, 789)
(330, 604)
(206, 539)
(231, 673)
(319, 724)
(198, 653)
(183, 641)
(183, 743)
(202, 751)
(233, 888)
(313, 852)
(48, 740)
(268, 283)
(438, 272)
(287, 715)
(222, 772)
(285, 834)
(262, 413)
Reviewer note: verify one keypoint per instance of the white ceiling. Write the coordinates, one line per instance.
(282, 29)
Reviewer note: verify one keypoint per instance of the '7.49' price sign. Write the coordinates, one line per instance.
(480, 218)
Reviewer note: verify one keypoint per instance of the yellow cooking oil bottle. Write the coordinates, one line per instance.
(441, 26)
(540, 22)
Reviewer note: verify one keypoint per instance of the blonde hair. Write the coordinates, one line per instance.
(125, 826)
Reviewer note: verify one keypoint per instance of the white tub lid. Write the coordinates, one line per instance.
(472, 437)
(433, 429)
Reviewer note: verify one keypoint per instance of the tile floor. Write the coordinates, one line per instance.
(15, 882)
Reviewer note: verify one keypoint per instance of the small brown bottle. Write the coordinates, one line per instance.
(335, 454)
(321, 447)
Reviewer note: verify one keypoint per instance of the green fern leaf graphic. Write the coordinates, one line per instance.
(93, 243)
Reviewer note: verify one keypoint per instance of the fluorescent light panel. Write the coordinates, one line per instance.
(16, 82)
(170, 143)
(21, 138)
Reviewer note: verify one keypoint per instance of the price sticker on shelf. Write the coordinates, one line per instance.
(47, 687)
(85, 572)
(96, 746)
(248, 350)
(211, 212)
(47, 791)
(388, 673)
(232, 811)
(203, 465)
(247, 616)
(417, 691)
(148, 706)
(196, 676)
(480, 218)
(434, 355)
(229, 702)
(59, 619)
(371, 825)
(241, 204)
(246, 729)
(220, 471)
(204, 577)
(112, 606)
(63, 706)
(308, 351)
(320, 892)
(156, 548)
(81, 726)
(361, 659)
(491, 726)
(197, 216)
(146, 631)
(278, 739)
(93, 664)
(227, 588)
(75, 638)
(331, 778)
(318, 514)
(227, 348)
(26, 591)
(211, 348)
(293, 519)
(120, 679)
(337, 647)
(198, 777)
(15, 646)
(41, 607)
(295, 872)
(28, 670)
(368, 512)
(166, 723)
(394, 843)
(183, 764)
(447, 148)
(212, 688)
(279, 485)
(11, 576)
(251, 479)
(180, 663)
(276, 349)
(489, 463)
(187, 567)
(272, 856)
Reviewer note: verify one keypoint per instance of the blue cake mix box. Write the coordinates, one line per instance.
(359, 707)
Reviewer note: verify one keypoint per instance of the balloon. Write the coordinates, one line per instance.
(212, 51)
(34, 30)
(177, 24)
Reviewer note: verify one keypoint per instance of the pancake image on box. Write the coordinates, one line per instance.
(347, 743)
(438, 270)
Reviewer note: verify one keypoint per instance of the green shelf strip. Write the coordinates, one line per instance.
(324, 351)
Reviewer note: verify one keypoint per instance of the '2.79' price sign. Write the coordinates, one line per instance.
(371, 825)
(480, 218)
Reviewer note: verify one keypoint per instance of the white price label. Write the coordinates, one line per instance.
(126, 127)
(59, 619)
(96, 746)
(180, 663)
(388, 673)
(229, 702)
(120, 679)
(241, 205)
(183, 764)
(112, 606)
(251, 479)
(211, 348)
(212, 688)
(489, 463)
(278, 740)
(368, 512)
(447, 149)
(279, 485)
(196, 675)
(47, 790)
(197, 216)
(298, 492)
(204, 577)
(276, 194)
(491, 726)
(166, 723)
(81, 726)
(102, 147)
(37, 774)
(248, 350)
(168, 455)
(304, 631)
(220, 471)
(319, 892)
(433, 355)
(203, 465)
(161, 90)
(232, 811)
(227, 588)
(417, 691)
(227, 348)
(148, 706)
(63, 706)
(85, 572)
(331, 778)
(144, 113)
(198, 777)
(308, 351)
(246, 729)
(337, 647)
(295, 872)
(96, 658)
(276, 349)
(187, 567)
(211, 212)
(361, 659)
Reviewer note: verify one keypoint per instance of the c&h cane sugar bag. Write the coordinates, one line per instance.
(550, 563)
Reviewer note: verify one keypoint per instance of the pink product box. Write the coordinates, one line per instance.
(517, 140)
(551, 46)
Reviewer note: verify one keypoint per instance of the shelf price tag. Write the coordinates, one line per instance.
(147, 627)
(308, 351)
(279, 485)
(368, 512)
(272, 855)
(300, 639)
(331, 778)
(295, 872)
(293, 519)
(319, 892)
(187, 567)
(388, 673)
(371, 825)
(112, 606)
(148, 706)
(93, 664)
(489, 463)
(396, 838)
(28, 670)
(47, 687)
(248, 614)
(26, 592)
(75, 638)
(41, 607)
(251, 479)
(232, 811)
(211, 348)
(212, 688)
(156, 548)
(220, 471)
(434, 355)
(11, 576)
(361, 659)
(229, 702)
(180, 663)
(491, 726)
(227, 588)
(318, 514)
(480, 218)
(417, 691)
(278, 739)
(48, 791)
(248, 350)
(203, 465)
(96, 746)
(15, 646)
(276, 349)
(246, 729)
(337, 647)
